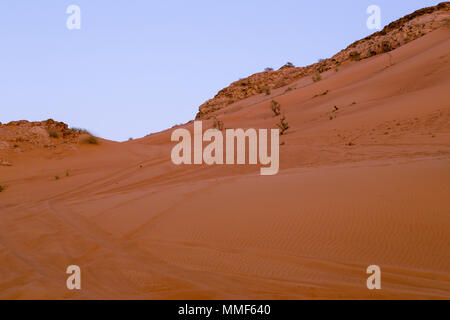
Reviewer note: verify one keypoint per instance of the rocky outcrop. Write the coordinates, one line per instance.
(394, 35)
(20, 135)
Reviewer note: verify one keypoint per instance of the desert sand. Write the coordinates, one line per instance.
(370, 186)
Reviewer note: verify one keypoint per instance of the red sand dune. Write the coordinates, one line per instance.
(369, 187)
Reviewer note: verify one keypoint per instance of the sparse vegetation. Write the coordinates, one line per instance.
(218, 124)
(275, 107)
(267, 90)
(386, 46)
(57, 177)
(90, 140)
(2, 188)
(80, 130)
(353, 103)
(283, 125)
(355, 56)
(53, 134)
(268, 69)
(288, 89)
(67, 173)
(19, 139)
(289, 65)
(317, 77)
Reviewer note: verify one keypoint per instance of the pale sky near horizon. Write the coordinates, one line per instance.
(137, 67)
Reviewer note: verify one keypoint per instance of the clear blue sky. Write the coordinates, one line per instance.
(140, 66)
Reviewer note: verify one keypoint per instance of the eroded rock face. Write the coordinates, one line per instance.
(394, 35)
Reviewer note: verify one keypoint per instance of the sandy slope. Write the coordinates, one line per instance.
(140, 227)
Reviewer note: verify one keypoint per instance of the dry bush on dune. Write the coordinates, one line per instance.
(90, 140)
(317, 77)
(283, 125)
(276, 108)
(2, 188)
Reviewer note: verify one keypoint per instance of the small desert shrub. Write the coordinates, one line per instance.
(386, 46)
(267, 90)
(355, 56)
(283, 125)
(53, 134)
(217, 124)
(80, 130)
(2, 188)
(289, 65)
(317, 77)
(57, 177)
(288, 89)
(275, 107)
(268, 69)
(447, 22)
(90, 140)
(19, 139)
